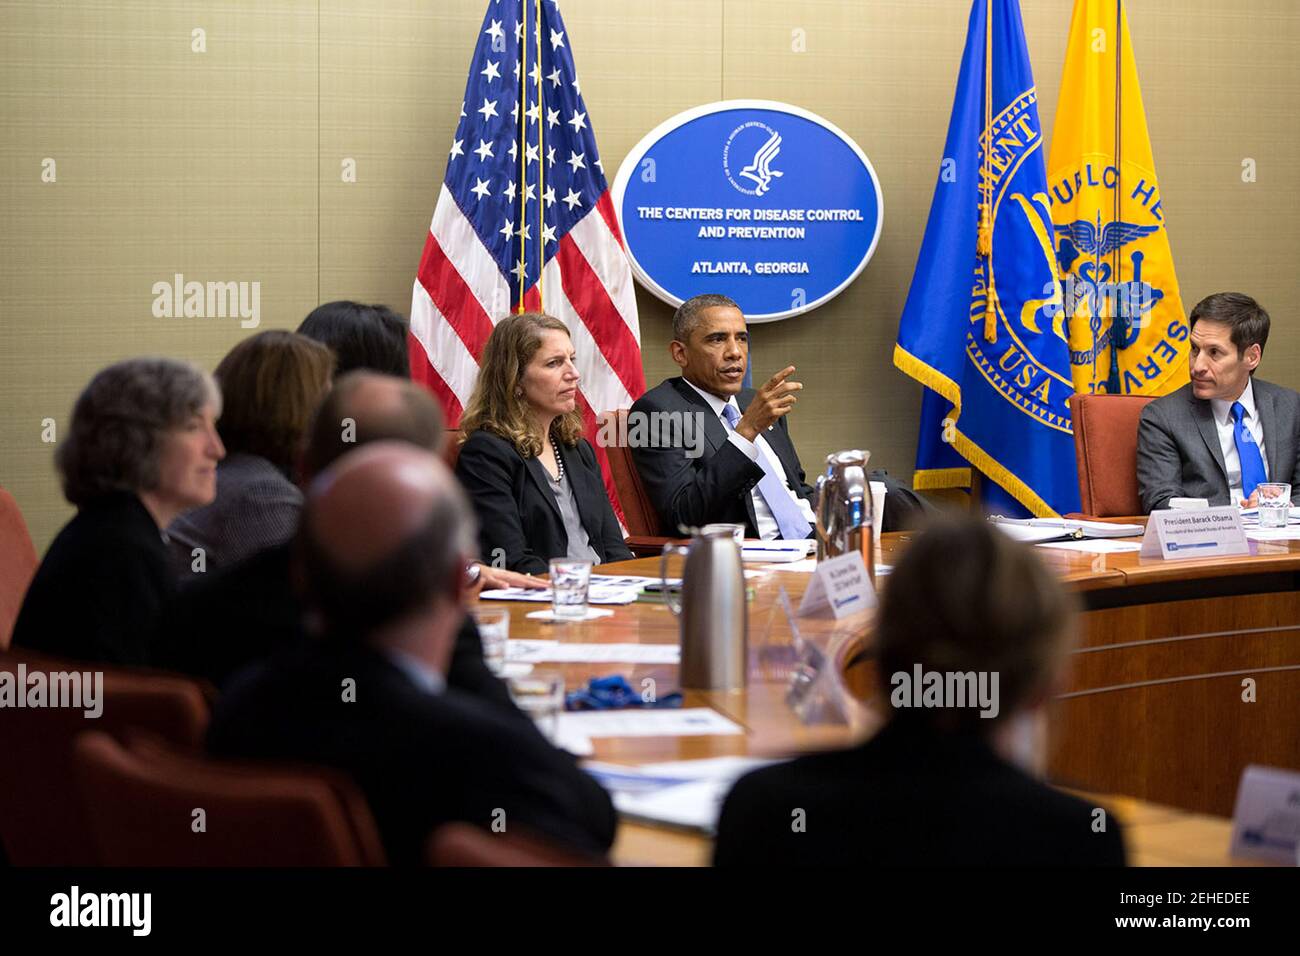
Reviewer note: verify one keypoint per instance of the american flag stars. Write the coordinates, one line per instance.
(524, 219)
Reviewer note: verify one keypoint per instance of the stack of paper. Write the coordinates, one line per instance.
(1036, 530)
(777, 552)
(684, 793)
(809, 565)
(1094, 547)
(603, 589)
(555, 652)
(1250, 517)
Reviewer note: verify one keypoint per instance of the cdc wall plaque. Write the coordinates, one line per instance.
(761, 201)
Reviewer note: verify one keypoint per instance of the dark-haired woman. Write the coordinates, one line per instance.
(371, 337)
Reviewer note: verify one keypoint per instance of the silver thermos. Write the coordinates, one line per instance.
(843, 509)
(711, 610)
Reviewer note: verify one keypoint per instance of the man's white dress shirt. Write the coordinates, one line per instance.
(766, 524)
(1222, 411)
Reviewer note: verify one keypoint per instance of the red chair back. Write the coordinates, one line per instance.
(1105, 441)
(638, 513)
(451, 450)
(143, 801)
(42, 819)
(17, 564)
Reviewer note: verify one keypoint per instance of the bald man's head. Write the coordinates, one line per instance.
(364, 407)
(385, 534)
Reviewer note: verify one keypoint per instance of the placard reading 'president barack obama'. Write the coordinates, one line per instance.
(760, 201)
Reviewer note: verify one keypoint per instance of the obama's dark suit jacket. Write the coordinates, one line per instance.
(715, 487)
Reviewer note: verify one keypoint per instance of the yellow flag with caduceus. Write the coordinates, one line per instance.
(1128, 332)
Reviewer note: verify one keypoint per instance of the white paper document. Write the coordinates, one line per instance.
(669, 722)
(1289, 533)
(1034, 530)
(777, 551)
(695, 805)
(806, 566)
(809, 565)
(685, 793)
(557, 652)
(588, 614)
(1097, 546)
(1250, 516)
(621, 580)
(595, 595)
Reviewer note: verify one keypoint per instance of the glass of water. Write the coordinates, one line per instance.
(494, 629)
(540, 695)
(1274, 504)
(569, 581)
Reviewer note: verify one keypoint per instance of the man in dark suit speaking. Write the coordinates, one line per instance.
(1225, 432)
(744, 468)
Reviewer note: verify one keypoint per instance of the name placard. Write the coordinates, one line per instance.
(1207, 533)
(842, 584)
(1266, 820)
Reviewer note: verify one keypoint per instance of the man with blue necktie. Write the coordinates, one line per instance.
(1226, 432)
(745, 469)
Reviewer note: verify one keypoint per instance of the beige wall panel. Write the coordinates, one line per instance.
(168, 161)
(392, 78)
(226, 166)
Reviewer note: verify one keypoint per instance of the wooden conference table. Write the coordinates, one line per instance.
(1154, 719)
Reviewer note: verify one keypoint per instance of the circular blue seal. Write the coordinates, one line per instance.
(761, 201)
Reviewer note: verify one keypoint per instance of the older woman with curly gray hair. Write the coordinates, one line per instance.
(142, 448)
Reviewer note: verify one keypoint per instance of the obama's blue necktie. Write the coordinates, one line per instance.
(789, 519)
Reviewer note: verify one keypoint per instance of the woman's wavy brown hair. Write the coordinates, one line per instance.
(498, 405)
(272, 383)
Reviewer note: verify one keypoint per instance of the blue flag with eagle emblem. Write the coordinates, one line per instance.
(983, 328)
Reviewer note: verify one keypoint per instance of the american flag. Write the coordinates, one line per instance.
(524, 217)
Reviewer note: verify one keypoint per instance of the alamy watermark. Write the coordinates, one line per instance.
(945, 689)
(75, 908)
(683, 430)
(82, 690)
(208, 300)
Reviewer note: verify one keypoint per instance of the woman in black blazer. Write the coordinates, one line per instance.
(533, 478)
(142, 448)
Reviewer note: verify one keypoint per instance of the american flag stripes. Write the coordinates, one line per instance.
(524, 218)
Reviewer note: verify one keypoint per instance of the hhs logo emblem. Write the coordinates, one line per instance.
(1128, 334)
(1092, 290)
(759, 171)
